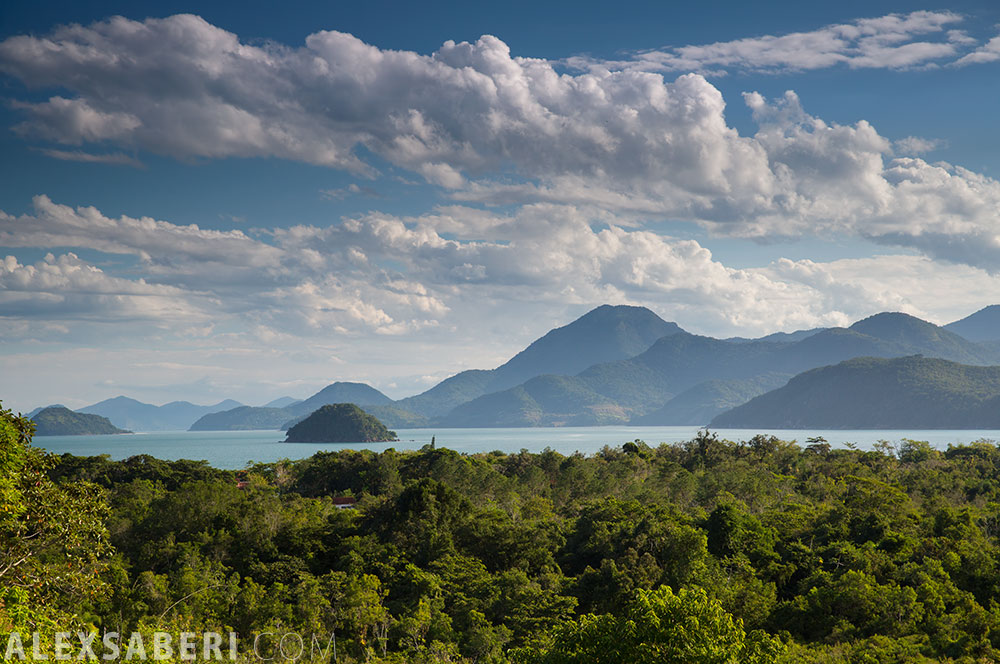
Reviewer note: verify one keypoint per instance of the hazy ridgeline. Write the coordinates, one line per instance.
(833, 555)
(619, 365)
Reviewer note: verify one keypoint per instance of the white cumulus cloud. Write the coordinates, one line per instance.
(494, 128)
(65, 288)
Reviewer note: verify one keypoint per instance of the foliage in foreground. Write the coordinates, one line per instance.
(706, 551)
(54, 544)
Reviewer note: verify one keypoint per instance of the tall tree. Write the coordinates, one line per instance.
(53, 541)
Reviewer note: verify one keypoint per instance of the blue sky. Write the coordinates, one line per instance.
(201, 202)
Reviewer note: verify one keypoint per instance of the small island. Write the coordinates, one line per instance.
(340, 423)
(61, 421)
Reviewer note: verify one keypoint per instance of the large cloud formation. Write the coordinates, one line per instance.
(379, 297)
(493, 128)
(391, 275)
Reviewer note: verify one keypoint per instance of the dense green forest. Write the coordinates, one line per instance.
(708, 551)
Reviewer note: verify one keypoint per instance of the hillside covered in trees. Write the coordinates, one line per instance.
(756, 551)
(874, 393)
(61, 421)
(340, 423)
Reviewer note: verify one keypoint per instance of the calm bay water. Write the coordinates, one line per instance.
(234, 449)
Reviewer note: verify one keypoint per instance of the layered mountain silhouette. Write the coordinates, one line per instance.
(281, 402)
(36, 411)
(604, 334)
(638, 389)
(875, 393)
(270, 417)
(699, 404)
(135, 415)
(243, 418)
(798, 335)
(615, 364)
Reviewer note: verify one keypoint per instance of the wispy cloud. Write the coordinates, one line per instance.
(116, 158)
(66, 288)
(391, 275)
(988, 52)
(352, 189)
(894, 41)
(914, 145)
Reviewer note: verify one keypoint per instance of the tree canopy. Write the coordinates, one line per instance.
(703, 551)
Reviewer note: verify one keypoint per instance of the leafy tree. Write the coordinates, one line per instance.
(661, 627)
(53, 540)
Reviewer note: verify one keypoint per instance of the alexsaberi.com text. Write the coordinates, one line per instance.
(168, 646)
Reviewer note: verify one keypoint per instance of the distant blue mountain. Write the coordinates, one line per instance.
(340, 392)
(604, 334)
(275, 417)
(281, 402)
(638, 389)
(242, 418)
(135, 415)
(782, 337)
(984, 325)
(699, 404)
(615, 364)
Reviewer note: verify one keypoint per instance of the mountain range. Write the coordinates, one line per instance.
(719, 374)
(138, 416)
(604, 334)
(613, 365)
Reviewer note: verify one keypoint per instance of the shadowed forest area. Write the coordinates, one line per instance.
(706, 551)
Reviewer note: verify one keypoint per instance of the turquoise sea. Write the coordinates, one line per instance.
(235, 449)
